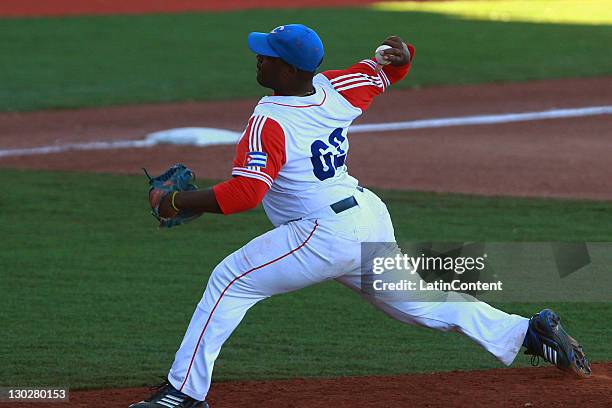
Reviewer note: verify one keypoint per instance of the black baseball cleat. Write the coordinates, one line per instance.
(166, 396)
(547, 339)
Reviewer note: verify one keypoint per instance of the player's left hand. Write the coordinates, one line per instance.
(161, 190)
(398, 54)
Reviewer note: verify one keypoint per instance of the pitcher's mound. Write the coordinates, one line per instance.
(517, 387)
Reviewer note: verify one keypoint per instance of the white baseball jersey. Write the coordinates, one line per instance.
(298, 145)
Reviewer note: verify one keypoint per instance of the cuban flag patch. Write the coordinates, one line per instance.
(256, 159)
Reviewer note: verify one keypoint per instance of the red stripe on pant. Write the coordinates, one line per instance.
(228, 286)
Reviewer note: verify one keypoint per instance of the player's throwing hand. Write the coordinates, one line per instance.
(398, 54)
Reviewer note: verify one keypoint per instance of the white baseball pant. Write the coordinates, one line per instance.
(309, 251)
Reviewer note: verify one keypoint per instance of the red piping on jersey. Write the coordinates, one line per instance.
(293, 106)
(230, 284)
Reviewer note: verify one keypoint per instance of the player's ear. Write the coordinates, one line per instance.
(289, 71)
(292, 70)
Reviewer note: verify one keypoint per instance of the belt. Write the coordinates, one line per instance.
(336, 207)
(345, 204)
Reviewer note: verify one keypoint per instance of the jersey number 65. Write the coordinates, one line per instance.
(328, 157)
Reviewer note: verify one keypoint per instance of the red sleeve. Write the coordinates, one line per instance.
(239, 194)
(360, 83)
(260, 155)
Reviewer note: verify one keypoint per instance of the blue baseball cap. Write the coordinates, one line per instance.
(295, 44)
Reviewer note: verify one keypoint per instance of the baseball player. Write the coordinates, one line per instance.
(292, 157)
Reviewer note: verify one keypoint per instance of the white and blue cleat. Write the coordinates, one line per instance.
(547, 339)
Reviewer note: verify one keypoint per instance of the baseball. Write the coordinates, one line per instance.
(379, 55)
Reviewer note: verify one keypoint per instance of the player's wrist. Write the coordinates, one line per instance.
(173, 202)
(166, 209)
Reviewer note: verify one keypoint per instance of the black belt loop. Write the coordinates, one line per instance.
(344, 205)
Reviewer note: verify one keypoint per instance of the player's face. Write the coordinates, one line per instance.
(270, 71)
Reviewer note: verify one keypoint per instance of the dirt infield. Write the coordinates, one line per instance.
(521, 387)
(549, 158)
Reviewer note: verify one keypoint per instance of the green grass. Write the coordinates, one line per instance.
(111, 60)
(93, 295)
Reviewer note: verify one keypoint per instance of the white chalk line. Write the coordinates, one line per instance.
(120, 144)
(181, 136)
(211, 136)
(484, 119)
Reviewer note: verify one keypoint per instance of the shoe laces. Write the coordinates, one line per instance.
(535, 358)
(158, 387)
(164, 383)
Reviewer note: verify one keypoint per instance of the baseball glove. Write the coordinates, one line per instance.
(177, 178)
